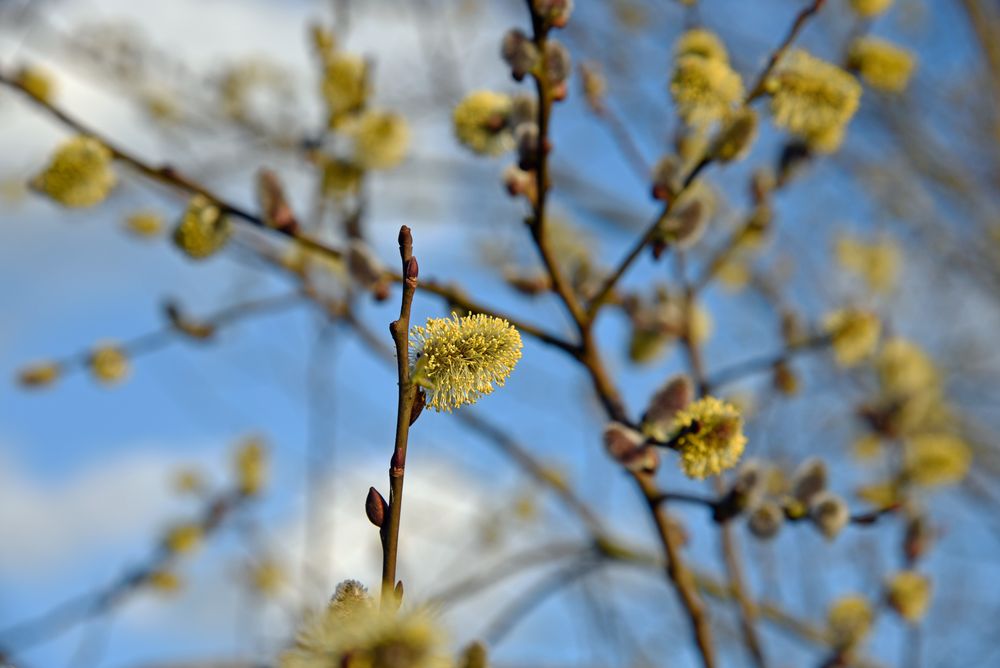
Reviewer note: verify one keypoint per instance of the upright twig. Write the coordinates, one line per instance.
(400, 330)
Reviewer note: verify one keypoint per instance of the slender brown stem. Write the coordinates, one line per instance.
(400, 330)
(760, 86)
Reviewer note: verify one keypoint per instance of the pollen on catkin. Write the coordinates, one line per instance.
(182, 538)
(482, 122)
(849, 619)
(876, 263)
(39, 374)
(202, 230)
(909, 594)
(144, 223)
(459, 359)
(108, 364)
(813, 99)
(79, 174)
(345, 86)
(380, 139)
(36, 82)
(854, 335)
(354, 632)
(702, 43)
(932, 460)
(250, 466)
(709, 437)
(881, 64)
(704, 89)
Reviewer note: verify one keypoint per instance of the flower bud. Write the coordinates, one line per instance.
(554, 13)
(627, 447)
(39, 374)
(808, 481)
(735, 136)
(526, 140)
(745, 491)
(274, 206)
(766, 520)
(519, 52)
(675, 395)
(829, 513)
(595, 86)
(909, 594)
(376, 507)
(557, 62)
(666, 178)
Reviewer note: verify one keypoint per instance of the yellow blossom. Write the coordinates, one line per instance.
(267, 577)
(936, 459)
(182, 538)
(904, 369)
(460, 359)
(381, 139)
(909, 594)
(703, 89)
(79, 173)
(189, 481)
(39, 374)
(870, 8)
(108, 364)
(482, 122)
(882, 64)
(703, 43)
(203, 229)
(345, 86)
(164, 581)
(36, 82)
(854, 335)
(144, 223)
(850, 619)
(709, 437)
(813, 99)
(879, 494)
(364, 636)
(876, 263)
(250, 465)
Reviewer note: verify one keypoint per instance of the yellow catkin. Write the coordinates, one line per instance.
(904, 368)
(79, 174)
(203, 230)
(850, 619)
(703, 43)
(460, 359)
(380, 139)
(813, 99)
(352, 631)
(482, 122)
(250, 466)
(709, 437)
(36, 82)
(876, 263)
(854, 335)
(345, 86)
(909, 594)
(144, 223)
(704, 90)
(870, 8)
(163, 581)
(183, 538)
(39, 374)
(936, 459)
(108, 364)
(736, 135)
(881, 64)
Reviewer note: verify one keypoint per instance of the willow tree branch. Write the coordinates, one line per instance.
(400, 329)
(760, 86)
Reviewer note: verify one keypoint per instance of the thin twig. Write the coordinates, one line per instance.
(400, 330)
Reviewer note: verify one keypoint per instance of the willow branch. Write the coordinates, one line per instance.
(801, 18)
(400, 330)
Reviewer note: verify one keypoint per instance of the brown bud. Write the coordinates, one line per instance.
(918, 538)
(519, 52)
(405, 242)
(419, 401)
(675, 395)
(784, 379)
(412, 268)
(398, 592)
(809, 480)
(195, 330)
(273, 205)
(376, 507)
(474, 656)
(557, 62)
(526, 140)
